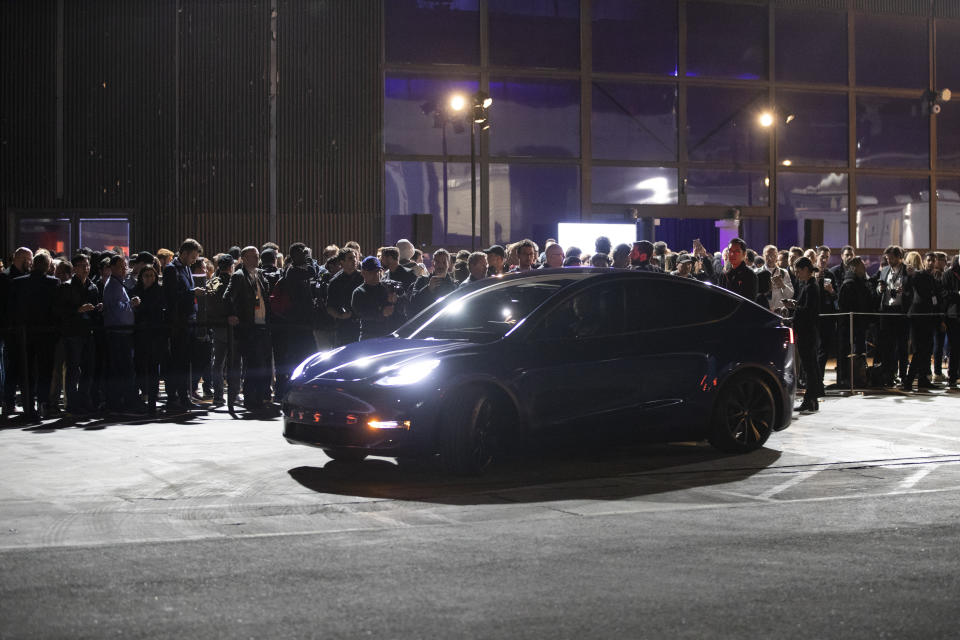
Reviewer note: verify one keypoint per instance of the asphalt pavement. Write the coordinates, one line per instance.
(847, 524)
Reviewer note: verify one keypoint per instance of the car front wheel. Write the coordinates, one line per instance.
(744, 415)
(468, 438)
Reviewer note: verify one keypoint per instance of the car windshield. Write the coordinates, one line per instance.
(483, 315)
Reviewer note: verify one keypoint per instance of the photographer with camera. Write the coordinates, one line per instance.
(896, 292)
(375, 302)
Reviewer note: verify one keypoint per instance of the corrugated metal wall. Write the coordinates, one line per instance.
(167, 116)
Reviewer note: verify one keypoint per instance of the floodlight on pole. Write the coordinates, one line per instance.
(766, 119)
(457, 102)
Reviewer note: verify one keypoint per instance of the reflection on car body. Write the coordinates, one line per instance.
(517, 357)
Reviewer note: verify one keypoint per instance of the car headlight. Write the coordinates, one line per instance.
(407, 373)
(312, 360)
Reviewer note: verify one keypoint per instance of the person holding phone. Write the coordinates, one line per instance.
(430, 288)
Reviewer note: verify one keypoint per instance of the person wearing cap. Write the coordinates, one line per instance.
(806, 327)
(429, 289)
(340, 295)
(684, 266)
(738, 277)
(496, 256)
(373, 302)
(405, 252)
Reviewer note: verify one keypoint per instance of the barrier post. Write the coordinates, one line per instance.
(231, 393)
(29, 407)
(852, 356)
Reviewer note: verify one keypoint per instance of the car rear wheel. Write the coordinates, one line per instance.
(744, 415)
(468, 439)
(346, 455)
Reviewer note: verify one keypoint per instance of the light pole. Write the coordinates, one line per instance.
(479, 117)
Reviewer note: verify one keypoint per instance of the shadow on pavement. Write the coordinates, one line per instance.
(564, 474)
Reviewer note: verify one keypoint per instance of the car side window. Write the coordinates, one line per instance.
(660, 303)
(593, 313)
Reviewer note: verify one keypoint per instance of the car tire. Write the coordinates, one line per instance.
(346, 455)
(467, 441)
(743, 415)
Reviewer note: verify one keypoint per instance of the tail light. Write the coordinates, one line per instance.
(790, 335)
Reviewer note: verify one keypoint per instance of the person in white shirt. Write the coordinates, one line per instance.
(781, 288)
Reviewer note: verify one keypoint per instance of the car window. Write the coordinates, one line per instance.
(593, 313)
(662, 303)
(485, 315)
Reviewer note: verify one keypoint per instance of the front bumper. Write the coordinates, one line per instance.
(339, 416)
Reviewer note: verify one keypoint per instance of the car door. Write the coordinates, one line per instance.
(577, 362)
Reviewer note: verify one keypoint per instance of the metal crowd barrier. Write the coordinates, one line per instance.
(851, 356)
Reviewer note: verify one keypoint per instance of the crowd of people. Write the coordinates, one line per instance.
(98, 333)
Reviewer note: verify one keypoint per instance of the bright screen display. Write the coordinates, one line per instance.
(584, 234)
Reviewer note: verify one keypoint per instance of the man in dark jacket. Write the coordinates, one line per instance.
(856, 296)
(339, 296)
(922, 325)
(738, 276)
(806, 318)
(33, 300)
(226, 358)
(429, 289)
(9, 345)
(374, 302)
(390, 256)
(180, 294)
(292, 313)
(79, 307)
(895, 291)
(246, 298)
(951, 293)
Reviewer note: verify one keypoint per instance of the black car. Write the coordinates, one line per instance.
(523, 355)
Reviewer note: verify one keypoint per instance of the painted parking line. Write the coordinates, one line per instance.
(797, 478)
(913, 479)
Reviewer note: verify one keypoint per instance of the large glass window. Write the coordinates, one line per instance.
(893, 211)
(535, 117)
(634, 121)
(892, 51)
(947, 54)
(812, 128)
(432, 32)
(52, 234)
(440, 190)
(527, 201)
(811, 46)
(812, 209)
(105, 233)
(729, 188)
(755, 232)
(892, 132)
(534, 33)
(948, 135)
(417, 118)
(723, 125)
(948, 213)
(679, 233)
(635, 37)
(728, 40)
(634, 185)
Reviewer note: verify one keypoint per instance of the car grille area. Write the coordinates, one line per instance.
(325, 435)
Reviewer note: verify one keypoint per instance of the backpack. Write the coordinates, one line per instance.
(280, 302)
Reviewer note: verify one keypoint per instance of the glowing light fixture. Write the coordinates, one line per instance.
(457, 102)
(766, 119)
(787, 162)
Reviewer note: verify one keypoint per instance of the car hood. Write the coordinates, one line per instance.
(373, 358)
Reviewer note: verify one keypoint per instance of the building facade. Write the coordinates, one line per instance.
(820, 121)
